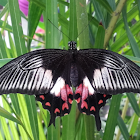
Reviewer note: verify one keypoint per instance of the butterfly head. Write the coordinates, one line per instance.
(72, 45)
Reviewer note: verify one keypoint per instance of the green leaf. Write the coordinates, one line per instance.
(83, 31)
(52, 42)
(15, 103)
(51, 30)
(133, 102)
(98, 12)
(106, 5)
(5, 128)
(134, 46)
(112, 117)
(89, 127)
(4, 61)
(138, 6)
(2, 48)
(3, 2)
(7, 115)
(32, 113)
(123, 128)
(99, 42)
(68, 130)
(4, 11)
(16, 25)
(64, 3)
(33, 19)
(124, 38)
(73, 22)
(64, 24)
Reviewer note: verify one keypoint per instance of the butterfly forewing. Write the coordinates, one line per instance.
(44, 73)
(109, 72)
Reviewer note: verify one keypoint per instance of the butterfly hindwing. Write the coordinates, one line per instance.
(58, 102)
(90, 102)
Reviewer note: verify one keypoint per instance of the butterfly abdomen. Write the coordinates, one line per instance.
(74, 75)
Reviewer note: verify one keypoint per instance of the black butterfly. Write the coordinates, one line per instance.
(49, 74)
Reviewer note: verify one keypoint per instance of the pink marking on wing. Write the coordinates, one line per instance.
(85, 93)
(79, 89)
(47, 104)
(100, 102)
(65, 105)
(69, 91)
(70, 101)
(104, 95)
(84, 104)
(63, 94)
(78, 100)
(57, 110)
(42, 97)
(92, 108)
(65, 114)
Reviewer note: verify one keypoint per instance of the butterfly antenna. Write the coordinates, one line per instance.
(84, 28)
(58, 29)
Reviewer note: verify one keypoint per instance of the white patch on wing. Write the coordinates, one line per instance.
(106, 78)
(98, 79)
(87, 83)
(39, 76)
(60, 83)
(47, 80)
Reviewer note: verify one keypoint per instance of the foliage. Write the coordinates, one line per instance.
(108, 24)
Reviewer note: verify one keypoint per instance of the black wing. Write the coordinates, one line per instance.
(109, 72)
(105, 73)
(44, 73)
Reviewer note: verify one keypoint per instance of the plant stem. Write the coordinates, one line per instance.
(113, 22)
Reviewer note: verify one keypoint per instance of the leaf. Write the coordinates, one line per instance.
(112, 117)
(7, 115)
(99, 42)
(133, 102)
(33, 19)
(106, 5)
(16, 25)
(32, 113)
(134, 46)
(123, 127)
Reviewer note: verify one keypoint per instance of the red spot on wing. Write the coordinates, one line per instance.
(42, 97)
(78, 100)
(100, 101)
(92, 108)
(56, 110)
(70, 101)
(104, 95)
(65, 105)
(84, 104)
(47, 104)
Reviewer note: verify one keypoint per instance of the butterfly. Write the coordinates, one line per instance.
(51, 74)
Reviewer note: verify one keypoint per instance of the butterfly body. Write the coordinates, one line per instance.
(49, 74)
